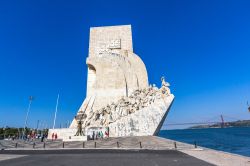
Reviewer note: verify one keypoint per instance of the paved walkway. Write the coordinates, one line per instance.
(105, 158)
(9, 156)
(126, 144)
(144, 142)
(218, 157)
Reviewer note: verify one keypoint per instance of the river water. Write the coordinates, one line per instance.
(234, 140)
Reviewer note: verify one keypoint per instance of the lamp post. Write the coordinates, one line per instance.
(31, 98)
(56, 111)
(3, 132)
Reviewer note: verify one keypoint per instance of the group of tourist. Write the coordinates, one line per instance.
(98, 135)
(32, 136)
(13, 137)
(27, 137)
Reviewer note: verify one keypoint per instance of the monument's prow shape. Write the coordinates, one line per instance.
(114, 70)
(119, 97)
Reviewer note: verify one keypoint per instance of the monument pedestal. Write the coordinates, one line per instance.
(66, 134)
(75, 138)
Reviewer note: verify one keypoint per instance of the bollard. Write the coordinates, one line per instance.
(83, 144)
(140, 144)
(63, 144)
(44, 145)
(34, 144)
(175, 145)
(95, 144)
(16, 145)
(195, 144)
(117, 143)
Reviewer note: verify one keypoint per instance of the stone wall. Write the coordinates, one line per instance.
(143, 122)
(62, 133)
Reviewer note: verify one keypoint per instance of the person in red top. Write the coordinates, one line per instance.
(107, 132)
(53, 135)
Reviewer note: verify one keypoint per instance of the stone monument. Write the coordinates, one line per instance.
(118, 94)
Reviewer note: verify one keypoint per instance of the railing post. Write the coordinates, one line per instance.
(63, 144)
(83, 144)
(140, 144)
(34, 144)
(44, 145)
(117, 143)
(95, 144)
(195, 144)
(175, 145)
(16, 145)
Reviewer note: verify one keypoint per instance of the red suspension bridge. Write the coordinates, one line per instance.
(219, 119)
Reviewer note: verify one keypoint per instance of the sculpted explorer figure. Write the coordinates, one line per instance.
(79, 128)
(164, 86)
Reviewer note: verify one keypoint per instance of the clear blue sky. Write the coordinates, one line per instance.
(202, 47)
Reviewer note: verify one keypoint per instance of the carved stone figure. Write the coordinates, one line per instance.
(79, 128)
(164, 86)
(139, 99)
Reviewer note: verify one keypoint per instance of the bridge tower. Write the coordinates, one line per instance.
(248, 107)
(222, 121)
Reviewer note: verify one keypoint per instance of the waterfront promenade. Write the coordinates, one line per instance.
(104, 158)
(148, 150)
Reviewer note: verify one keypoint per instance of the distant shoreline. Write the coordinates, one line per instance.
(239, 123)
(205, 127)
